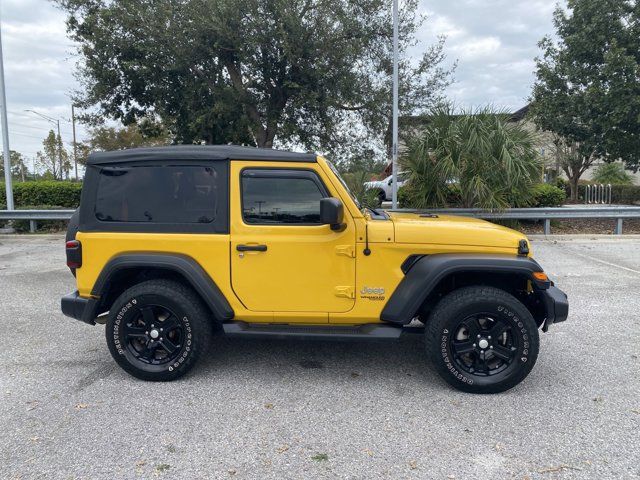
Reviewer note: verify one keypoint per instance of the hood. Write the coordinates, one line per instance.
(452, 230)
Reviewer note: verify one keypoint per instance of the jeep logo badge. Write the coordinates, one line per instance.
(372, 291)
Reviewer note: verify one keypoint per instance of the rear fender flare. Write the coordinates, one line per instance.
(185, 266)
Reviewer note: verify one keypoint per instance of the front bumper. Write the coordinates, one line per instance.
(556, 306)
(83, 309)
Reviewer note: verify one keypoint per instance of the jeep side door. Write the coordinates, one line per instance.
(282, 258)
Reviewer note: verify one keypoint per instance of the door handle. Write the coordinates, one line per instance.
(251, 248)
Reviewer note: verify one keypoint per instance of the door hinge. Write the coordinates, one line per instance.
(346, 250)
(345, 292)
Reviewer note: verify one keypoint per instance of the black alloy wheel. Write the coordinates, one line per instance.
(158, 329)
(484, 344)
(154, 335)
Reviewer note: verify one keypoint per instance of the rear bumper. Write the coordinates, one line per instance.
(556, 306)
(83, 309)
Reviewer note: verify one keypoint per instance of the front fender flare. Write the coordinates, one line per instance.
(425, 274)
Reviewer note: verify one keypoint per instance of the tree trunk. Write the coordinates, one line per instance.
(260, 135)
(573, 184)
(258, 131)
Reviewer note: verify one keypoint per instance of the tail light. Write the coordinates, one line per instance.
(74, 254)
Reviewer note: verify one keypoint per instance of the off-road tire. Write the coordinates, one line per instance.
(448, 321)
(191, 329)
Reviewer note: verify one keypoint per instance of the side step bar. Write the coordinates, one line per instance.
(375, 332)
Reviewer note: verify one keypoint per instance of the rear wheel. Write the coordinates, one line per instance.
(482, 340)
(157, 330)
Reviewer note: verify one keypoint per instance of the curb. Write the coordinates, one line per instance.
(584, 236)
(35, 236)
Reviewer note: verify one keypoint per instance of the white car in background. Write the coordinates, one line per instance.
(384, 187)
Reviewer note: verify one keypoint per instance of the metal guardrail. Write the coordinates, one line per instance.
(547, 214)
(34, 215)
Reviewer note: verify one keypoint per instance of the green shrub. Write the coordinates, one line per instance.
(561, 183)
(625, 194)
(613, 173)
(355, 182)
(546, 195)
(405, 199)
(44, 193)
(564, 185)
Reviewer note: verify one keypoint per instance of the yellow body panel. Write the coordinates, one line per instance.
(309, 274)
(210, 251)
(306, 269)
(452, 230)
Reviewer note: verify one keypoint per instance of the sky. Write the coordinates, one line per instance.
(494, 42)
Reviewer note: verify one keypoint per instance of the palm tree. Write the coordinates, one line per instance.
(471, 159)
(613, 173)
(356, 183)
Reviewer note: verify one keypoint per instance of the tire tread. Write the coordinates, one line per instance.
(444, 310)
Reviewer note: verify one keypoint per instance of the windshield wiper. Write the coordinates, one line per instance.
(371, 210)
(376, 212)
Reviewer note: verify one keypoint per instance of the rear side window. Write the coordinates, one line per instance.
(281, 197)
(167, 194)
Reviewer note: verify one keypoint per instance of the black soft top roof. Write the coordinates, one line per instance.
(198, 152)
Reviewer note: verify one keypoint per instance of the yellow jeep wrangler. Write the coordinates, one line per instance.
(171, 244)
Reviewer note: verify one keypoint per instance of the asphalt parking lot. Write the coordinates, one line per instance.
(274, 409)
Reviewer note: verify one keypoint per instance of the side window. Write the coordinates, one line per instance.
(278, 197)
(157, 194)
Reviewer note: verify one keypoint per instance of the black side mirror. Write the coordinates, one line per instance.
(332, 213)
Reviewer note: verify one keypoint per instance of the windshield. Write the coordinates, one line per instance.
(344, 184)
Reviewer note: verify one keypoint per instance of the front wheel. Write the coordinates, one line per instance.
(157, 330)
(482, 340)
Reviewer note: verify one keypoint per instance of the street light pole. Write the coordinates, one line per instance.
(5, 134)
(59, 139)
(75, 148)
(394, 126)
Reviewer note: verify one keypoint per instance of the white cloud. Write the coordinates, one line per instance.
(39, 67)
(495, 42)
(474, 47)
(442, 25)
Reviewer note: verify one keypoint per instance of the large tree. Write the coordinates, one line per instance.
(588, 84)
(54, 158)
(314, 73)
(145, 133)
(19, 169)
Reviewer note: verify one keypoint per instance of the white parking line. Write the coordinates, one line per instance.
(604, 262)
